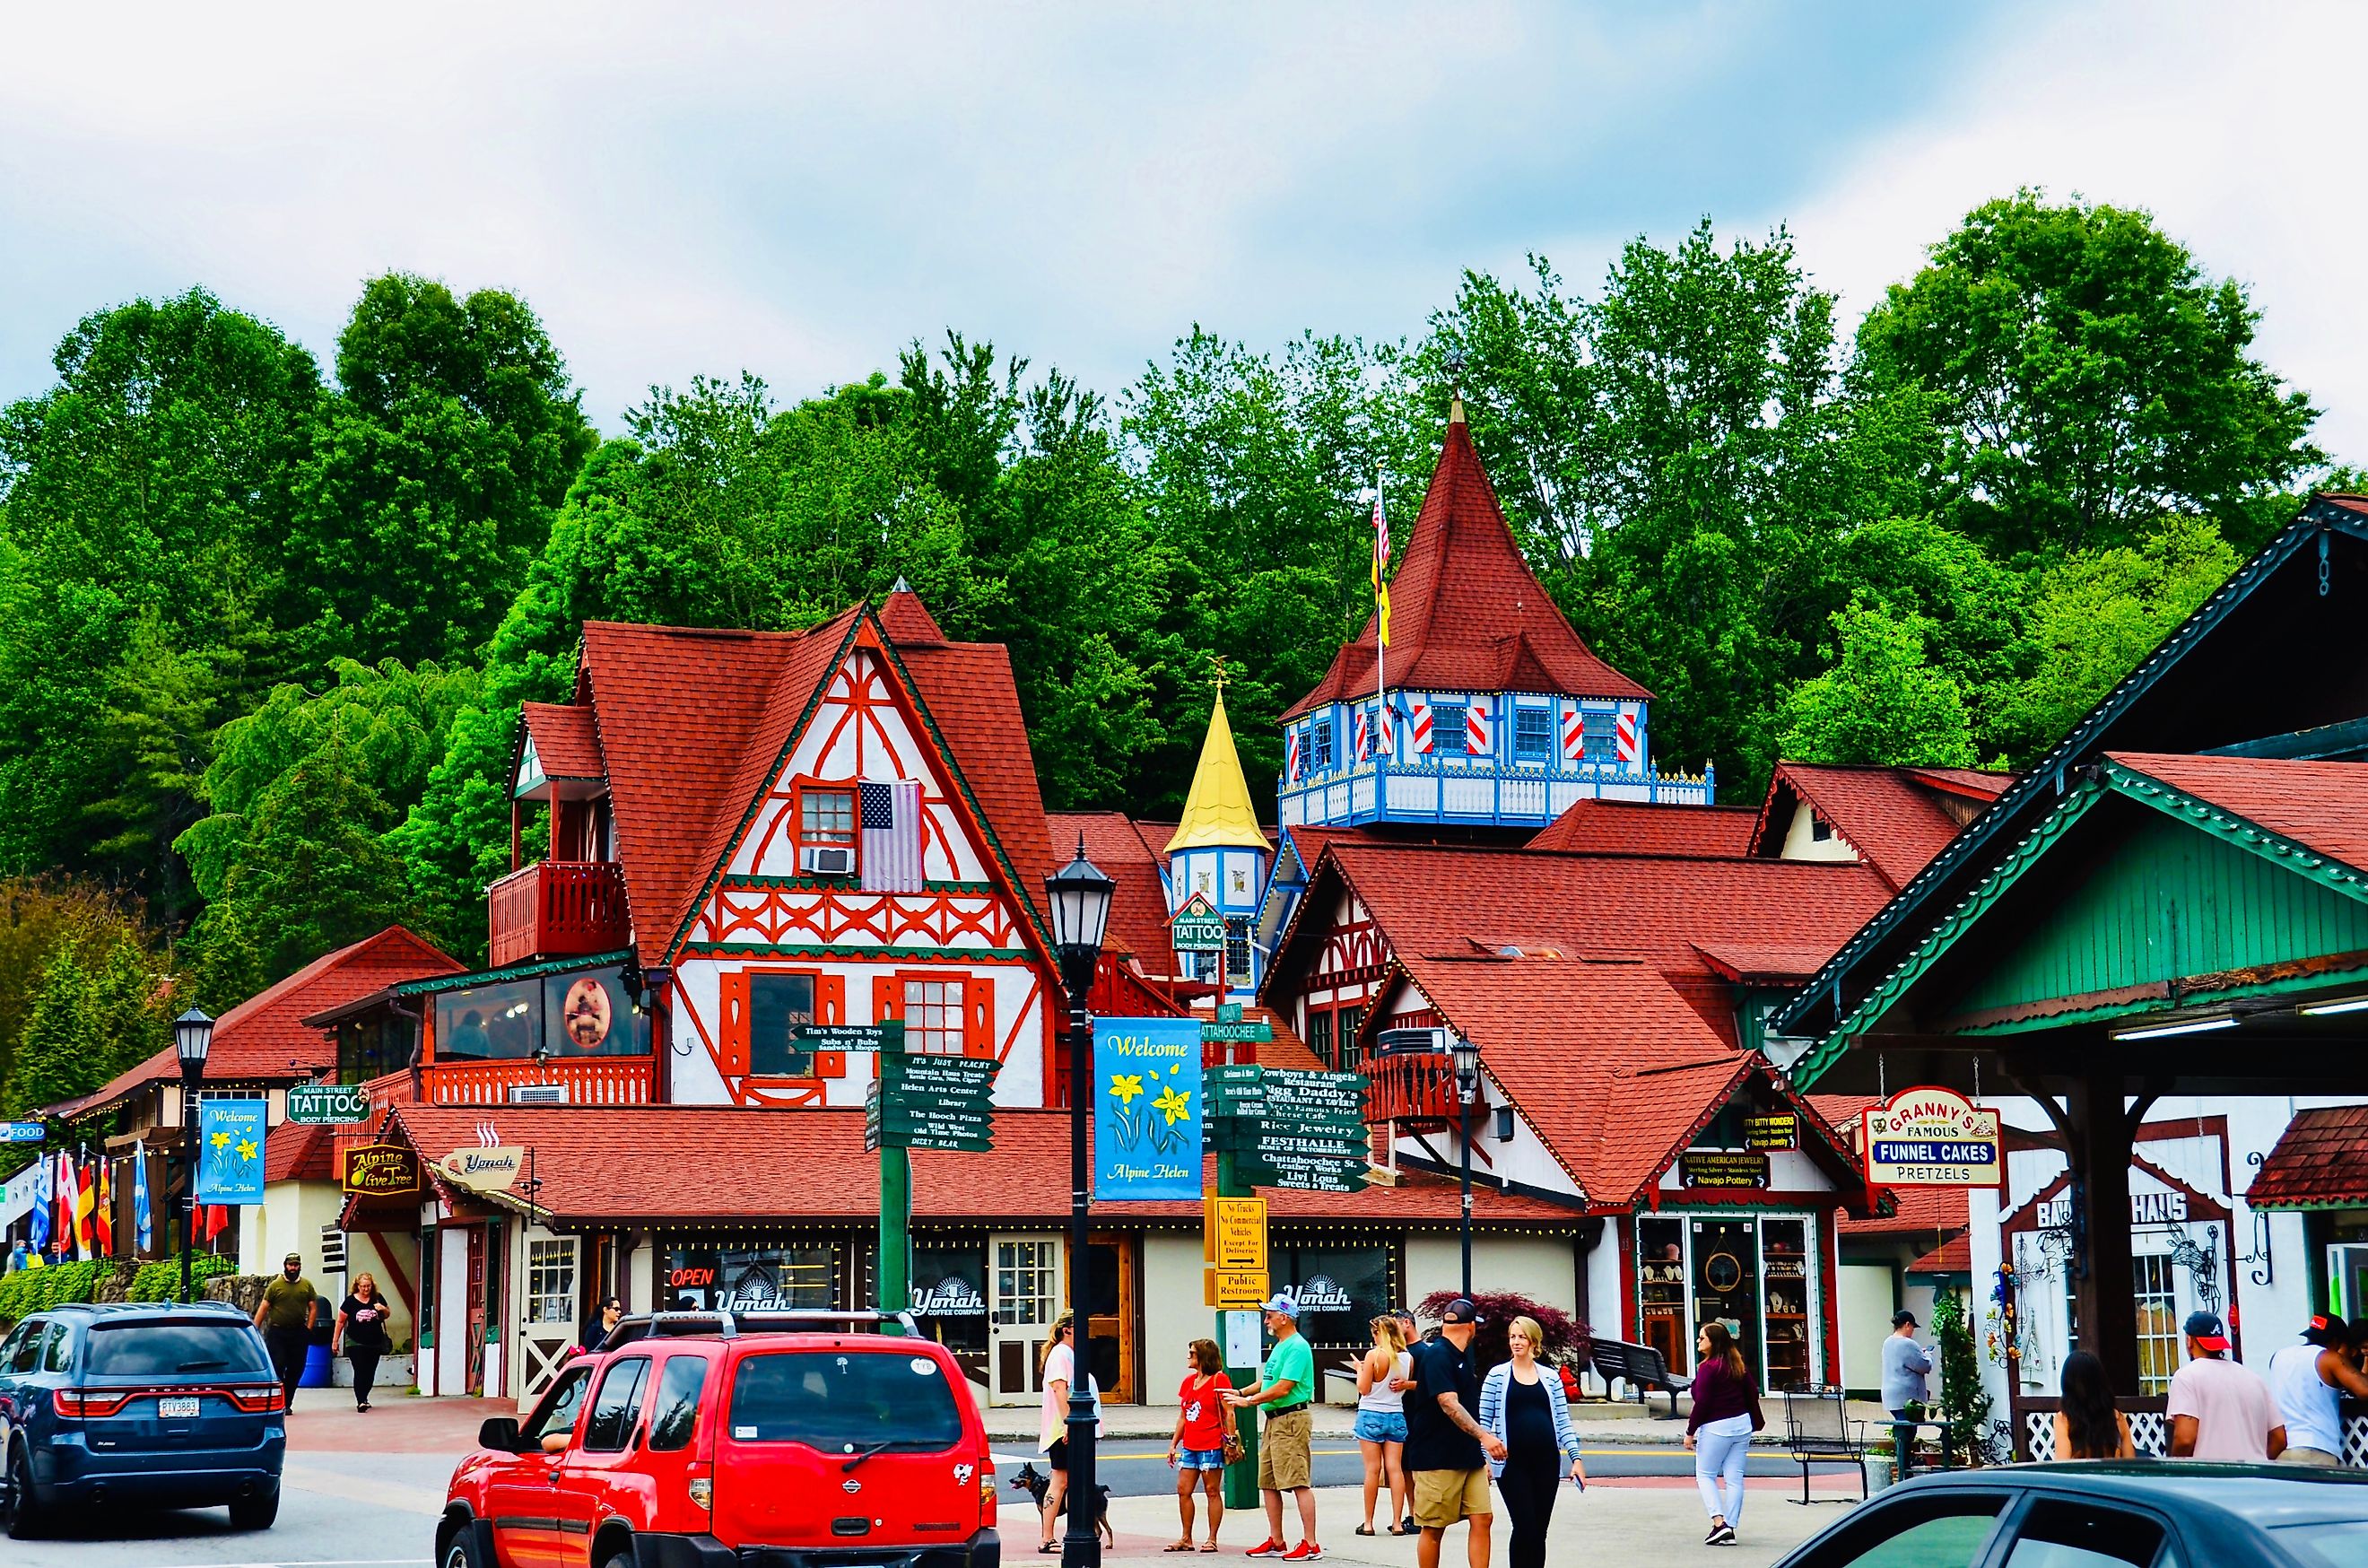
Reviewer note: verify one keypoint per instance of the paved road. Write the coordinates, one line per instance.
(378, 1510)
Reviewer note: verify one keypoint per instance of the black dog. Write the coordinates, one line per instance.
(1036, 1485)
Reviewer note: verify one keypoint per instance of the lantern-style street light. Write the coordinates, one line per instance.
(193, 1037)
(1080, 896)
(1467, 1090)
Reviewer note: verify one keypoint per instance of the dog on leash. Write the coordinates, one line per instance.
(1036, 1485)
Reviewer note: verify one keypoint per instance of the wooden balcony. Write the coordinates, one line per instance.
(556, 909)
(1417, 1087)
(585, 1080)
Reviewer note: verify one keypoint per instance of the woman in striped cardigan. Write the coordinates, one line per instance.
(1521, 1406)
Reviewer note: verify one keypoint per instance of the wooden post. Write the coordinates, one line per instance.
(2104, 1288)
(1241, 1480)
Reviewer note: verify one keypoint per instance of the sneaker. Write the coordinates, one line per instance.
(1305, 1552)
(1268, 1548)
(1722, 1536)
(1711, 1537)
(1407, 1526)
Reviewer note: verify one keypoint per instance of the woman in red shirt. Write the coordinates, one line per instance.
(1196, 1451)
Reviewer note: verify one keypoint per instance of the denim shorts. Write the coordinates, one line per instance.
(1381, 1426)
(1199, 1458)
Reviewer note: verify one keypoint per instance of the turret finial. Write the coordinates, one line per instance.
(1455, 386)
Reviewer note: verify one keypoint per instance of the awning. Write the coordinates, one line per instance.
(2321, 1162)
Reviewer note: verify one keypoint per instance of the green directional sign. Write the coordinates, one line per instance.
(328, 1105)
(1290, 1128)
(932, 1102)
(1229, 1012)
(1254, 1034)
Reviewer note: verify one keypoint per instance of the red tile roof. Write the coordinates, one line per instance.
(1895, 822)
(1952, 1257)
(293, 1151)
(693, 722)
(262, 1040)
(907, 620)
(690, 1166)
(1138, 917)
(2321, 1161)
(1436, 899)
(1782, 963)
(1632, 827)
(2322, 806)
(566, 743)
(1466, 613)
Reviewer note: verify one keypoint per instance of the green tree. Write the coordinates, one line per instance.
(432, 479)
(100, 1008)
(2091, 378)
(1881, 703)
(2096, 615)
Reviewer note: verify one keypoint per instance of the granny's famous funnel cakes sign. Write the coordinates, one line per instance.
(1931, 1138)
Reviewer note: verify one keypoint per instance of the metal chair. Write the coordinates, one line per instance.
(1818, 1429)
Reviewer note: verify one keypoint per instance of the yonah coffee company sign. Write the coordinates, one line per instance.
(1931, 1138)
(495, 1169)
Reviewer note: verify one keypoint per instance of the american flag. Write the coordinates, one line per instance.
(892, 836)
(1630, 748)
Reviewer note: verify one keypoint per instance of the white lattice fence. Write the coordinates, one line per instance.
(2150, 1433)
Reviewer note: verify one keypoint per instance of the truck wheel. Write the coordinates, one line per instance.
(254, 1513)
(457, 1552)
(19, 1507)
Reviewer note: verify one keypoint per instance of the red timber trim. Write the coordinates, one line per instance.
(1632, 1320)
(736, 1051)
(402, 1287)
(828, 917)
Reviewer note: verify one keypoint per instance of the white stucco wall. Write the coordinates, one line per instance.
(1539, 1267)
(1174, 1313)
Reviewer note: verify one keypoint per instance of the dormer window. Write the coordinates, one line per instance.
(1820, 830)
(825, 830)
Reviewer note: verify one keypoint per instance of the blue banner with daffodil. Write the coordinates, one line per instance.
(230, 1150)
(1146, 1109)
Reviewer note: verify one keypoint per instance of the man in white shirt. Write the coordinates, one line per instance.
(2220, 1409)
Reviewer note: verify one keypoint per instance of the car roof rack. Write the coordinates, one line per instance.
(732, 1325)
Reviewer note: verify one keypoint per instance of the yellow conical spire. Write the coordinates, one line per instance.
(1217, 811)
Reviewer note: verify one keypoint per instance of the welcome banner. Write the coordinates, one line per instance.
(1147, 1109)
(230, 1150)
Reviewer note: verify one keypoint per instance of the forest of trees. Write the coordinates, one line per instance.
(268, 625)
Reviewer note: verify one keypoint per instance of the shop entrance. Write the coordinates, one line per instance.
(1109, 1316)
(1024, 1295)
(1752, 1274)
(1726, 1281)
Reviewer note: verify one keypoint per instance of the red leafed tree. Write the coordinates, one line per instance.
(1568, 1339)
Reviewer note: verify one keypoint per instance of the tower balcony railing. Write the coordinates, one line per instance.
(1416, 1086)
(1489, 791)
(556, 909)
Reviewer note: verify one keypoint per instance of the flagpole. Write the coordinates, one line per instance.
(1381, 641)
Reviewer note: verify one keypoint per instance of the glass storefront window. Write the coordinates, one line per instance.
(1756, 1275)
(949, 1286)
(1340, 1288)
(583, 1013)
(489, 1023)
(751, 1278)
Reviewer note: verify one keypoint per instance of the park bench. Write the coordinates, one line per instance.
(1818, 1429)
(1642, 1368)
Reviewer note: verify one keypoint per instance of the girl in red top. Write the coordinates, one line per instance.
(1196, 1451)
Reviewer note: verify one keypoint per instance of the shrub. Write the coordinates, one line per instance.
(1567, 1338)
(29, 1291)
(1968, 1412)
(161, 1280)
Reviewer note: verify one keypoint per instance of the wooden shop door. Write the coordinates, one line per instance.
(1112, 1311)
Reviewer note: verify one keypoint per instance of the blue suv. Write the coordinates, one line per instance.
(142, 1405)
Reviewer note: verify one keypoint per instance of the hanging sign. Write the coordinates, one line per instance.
(1147, 1109)
(376, 1169)
(328, 1105)
(932, 1102)
(1198, 927)
(230, 1150)
(1728, 1169)
(494, 1169)
(20, 1132)
(1777, 1129)
(1225, 1288)
(1291, 1129)
(1932, 1138)
(886, 1036)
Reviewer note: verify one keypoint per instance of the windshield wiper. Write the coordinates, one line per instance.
(862, 1454)
(199, 1366)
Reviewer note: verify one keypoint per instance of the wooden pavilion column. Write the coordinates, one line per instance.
(2099, 1133)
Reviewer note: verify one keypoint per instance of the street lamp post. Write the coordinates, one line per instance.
(1080, 897)
(193, 1036)
(1467, 1090)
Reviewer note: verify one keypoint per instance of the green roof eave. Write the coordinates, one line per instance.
(508, 973)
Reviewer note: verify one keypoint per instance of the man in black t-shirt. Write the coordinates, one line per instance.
(1447, 1454)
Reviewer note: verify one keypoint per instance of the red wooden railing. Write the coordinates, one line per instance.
(1415, 1088)
(555, 909)
(589, 1080)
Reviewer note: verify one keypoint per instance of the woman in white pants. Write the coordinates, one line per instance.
(1726, 1413)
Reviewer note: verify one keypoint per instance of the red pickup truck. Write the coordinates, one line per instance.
(702, 1440)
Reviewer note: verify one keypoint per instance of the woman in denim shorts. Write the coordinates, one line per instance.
(1196, 1451)
(1382, 1379)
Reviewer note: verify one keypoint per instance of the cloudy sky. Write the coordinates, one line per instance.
(798, 190)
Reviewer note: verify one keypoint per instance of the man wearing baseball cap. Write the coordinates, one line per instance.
(2220, 1409)
(285, 1314)
(1447, 1450)
(1286, 1387)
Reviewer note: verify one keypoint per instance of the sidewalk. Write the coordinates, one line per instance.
(1596, 1421)
(1661, 1518)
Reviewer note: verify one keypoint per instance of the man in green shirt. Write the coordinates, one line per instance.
(290, 1305)
(1286, 1387)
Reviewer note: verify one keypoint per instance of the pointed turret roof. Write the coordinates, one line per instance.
(1466, 613)
(1217, 811)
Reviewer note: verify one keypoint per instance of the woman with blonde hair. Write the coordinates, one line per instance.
(361, 1335)
(1382, 1377)
(1521, 1406)
(1053, 1430)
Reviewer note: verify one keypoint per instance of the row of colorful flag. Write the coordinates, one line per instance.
(73, 1208)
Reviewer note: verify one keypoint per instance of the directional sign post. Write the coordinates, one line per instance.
(915, 1102)
(20, 1132)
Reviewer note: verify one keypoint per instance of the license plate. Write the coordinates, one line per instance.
(177, 1409)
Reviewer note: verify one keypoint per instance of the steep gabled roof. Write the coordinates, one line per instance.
(1892, 816)
(1634, 827)
(263, 1040)
(2298, 601)
(968, 695)
(1117, 847)
(2323, 806)
(1466, 613)
(567, 744)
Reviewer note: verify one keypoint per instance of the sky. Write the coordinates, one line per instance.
(800, 191)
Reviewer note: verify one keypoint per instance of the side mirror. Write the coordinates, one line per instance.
(500, 1433)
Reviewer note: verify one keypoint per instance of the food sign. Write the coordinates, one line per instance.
(1932, 1137)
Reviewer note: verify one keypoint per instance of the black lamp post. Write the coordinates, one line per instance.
(193, 1036)
(1467, 1090)
(1080, 897)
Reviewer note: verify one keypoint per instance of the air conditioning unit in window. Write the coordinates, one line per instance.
(538, 1094)
(824, 860)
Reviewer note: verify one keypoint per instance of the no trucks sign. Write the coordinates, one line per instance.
(1931, 1138)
